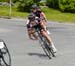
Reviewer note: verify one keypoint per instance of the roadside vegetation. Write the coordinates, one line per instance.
(55, 10)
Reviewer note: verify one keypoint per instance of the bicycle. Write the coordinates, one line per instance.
(5, 57)
(44, 44)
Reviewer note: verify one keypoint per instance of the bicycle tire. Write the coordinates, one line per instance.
(3, 58)
(45, 48)
(47, 52)
(50, 48)
(53, 54)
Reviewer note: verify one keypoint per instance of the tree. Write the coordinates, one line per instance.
(25, 5)
(63, 5)
(14, 1)
(4, 0)
(36, 1)
(67, 5)
(52, 3)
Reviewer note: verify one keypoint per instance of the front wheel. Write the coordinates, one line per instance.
(6, 56)
(46, 50)
(49, 47)
(45, 47)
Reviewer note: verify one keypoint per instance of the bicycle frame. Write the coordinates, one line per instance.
(47, 49)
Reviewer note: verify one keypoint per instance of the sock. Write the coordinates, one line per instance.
(52, 44)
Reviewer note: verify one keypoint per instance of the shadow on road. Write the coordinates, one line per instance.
(37, 54)
(2, 65)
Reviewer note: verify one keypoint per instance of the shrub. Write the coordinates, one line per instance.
(25, 5)
(63, 5)
(14, 1)
(67, 5)
(42, 3)
(4, 0)
(52, 3)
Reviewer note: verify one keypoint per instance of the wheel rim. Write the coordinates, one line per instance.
(46, 50)
(6, 56)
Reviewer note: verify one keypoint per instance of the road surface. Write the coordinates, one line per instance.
(25, 52)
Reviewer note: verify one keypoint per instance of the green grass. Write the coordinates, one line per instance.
(4, 11)
(56, 15)
(51, 14)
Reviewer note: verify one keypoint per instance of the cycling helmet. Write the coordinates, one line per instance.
(34, 7)
(31, 17)
(39, 9)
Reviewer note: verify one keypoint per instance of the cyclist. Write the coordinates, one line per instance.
(41, 25)
(35, 10)
(40, 14)
(42, 17)
(29, 25)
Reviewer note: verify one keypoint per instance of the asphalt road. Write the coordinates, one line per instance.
(25, 52)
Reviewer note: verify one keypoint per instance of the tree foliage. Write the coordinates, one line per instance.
(67, 5)
(4, 0)
(25, 5)
(52, 3)
(63, 5)
(14, 1)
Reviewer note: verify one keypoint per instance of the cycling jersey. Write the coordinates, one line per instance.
(41, 15)
(36, 17)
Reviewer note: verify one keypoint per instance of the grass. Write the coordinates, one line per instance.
(56, 15)
(51, 14)
(4, 11)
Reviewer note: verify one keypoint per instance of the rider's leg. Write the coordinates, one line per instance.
(34, 34)
(29, 33)
(47, 37)
(43, 24)
(44, 33)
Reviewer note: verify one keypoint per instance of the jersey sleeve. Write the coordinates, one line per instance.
(42, 15)
(27, 22)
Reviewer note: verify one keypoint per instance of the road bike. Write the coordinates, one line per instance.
(44, 43)
(5, 58)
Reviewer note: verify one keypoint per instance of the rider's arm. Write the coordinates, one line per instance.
(27, 22)
(42, 25)
(42, 15)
